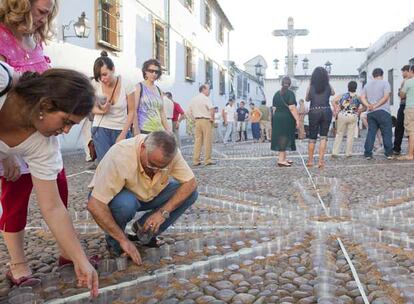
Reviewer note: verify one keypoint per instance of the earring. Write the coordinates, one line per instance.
(40, 115)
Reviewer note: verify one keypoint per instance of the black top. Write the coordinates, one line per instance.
(241, 114)
(321, 99)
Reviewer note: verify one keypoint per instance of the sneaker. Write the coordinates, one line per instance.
(389, 157)
(334, 156)
(210, 164)
(368, 157)
(396, 153)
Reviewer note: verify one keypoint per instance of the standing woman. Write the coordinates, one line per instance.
(114, 111)
(148, 101)
(24, 26)
(285, 121)
(32, 114)
(320, 113)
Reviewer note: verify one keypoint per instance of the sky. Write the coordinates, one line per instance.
(331, 24)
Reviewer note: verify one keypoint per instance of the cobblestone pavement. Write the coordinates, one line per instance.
(258, 234)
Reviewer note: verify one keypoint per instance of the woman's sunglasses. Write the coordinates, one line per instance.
(158, 72)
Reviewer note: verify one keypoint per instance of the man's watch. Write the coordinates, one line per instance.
(164, 213)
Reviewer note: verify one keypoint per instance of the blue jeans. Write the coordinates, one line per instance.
(125, 204)
(230, 129)
(104, 139)
(256, 130)
(379, 120)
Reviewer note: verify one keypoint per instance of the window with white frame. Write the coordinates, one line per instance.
(239, 86)
(108, 23)
(220, 32)
(207, 16)
(160, 44)
(189, 62)
(222, 82)
(209, 72)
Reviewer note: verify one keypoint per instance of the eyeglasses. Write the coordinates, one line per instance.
(154, 71)
(154, 168)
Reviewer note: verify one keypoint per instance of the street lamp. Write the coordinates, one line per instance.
(276, 63)
(305, 65)
(81, 27)
(328, 67)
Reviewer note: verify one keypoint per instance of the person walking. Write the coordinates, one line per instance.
(150, 115)
(375, 96)
(229, 114)
(265, 124)
(407, 93)
(285, 122)
(302, 112)
(114, 113)
(255, 116)
(242, 119)
(399, 128)
(201, 110)
(346, 109)
(320, 113)
(177, 118)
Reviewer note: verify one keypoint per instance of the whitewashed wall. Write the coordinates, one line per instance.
(137, 46)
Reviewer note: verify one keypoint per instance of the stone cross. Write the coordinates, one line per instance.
(290, 33)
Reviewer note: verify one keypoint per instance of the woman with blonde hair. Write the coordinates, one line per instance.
(24, 26)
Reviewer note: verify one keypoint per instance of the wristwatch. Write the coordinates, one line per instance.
(164, 213)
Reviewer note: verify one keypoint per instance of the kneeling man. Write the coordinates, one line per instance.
(135, 176)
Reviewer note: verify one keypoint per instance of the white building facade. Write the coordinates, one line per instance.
(390, 53)
(190, 38)
(342, 65)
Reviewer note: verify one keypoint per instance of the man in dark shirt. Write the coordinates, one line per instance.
(242, 118)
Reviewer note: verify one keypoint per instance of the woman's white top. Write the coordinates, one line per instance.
(117, 116)
(40, 153)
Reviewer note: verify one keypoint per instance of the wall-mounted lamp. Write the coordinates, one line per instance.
(81, 27)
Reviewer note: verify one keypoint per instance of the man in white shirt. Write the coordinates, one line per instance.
(202, 111)
(229, 121)
(168, 106)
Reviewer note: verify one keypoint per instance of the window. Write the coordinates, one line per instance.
(411, 61)
(222, 82)
(239, 85)
(109, 21)
(207, 16)
(160, 44)
(220, 33)
(189, 4)
(391, 81)
(245, 87)
(189, 62)
(209, 73)
(248, 87)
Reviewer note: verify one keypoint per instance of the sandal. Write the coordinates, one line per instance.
(284, 164)
(309, 165)
(289, 161)
(24, 281)
(321, 165)
(94, 260)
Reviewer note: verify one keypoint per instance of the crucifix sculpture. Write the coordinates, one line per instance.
(290, 33)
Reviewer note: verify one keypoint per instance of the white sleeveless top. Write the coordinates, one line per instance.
(41, 153)
(117, 116)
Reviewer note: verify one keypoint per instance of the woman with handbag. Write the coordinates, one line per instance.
(114, 110)
(32, 113)
(284, 123)
(150, 115)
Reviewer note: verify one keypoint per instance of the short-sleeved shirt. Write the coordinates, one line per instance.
(149, 109)
(121, 168)
(230, 112)
(319, 100)
(200, 106)
(408, 89)
(117, 116)
(241, 114)
(177, 111)
(375, 90)
(168, 107)
(41, 153)
(255, 115)
(265, 112)
(349, 103)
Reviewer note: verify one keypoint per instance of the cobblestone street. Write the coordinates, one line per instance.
(258, 234)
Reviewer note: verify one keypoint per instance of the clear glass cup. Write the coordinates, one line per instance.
(121, 262)
(106, 267)
(152, 255)
(129, 294)
(26, 298)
